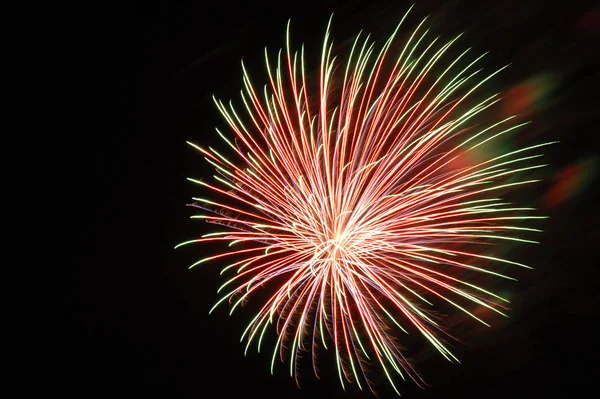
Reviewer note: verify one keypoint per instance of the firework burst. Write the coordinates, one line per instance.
(358, 207)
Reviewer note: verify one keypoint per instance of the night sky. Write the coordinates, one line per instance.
(140, 323)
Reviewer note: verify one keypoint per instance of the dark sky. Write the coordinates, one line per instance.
(140, 317)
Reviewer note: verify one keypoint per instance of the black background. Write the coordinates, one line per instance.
(140, 322)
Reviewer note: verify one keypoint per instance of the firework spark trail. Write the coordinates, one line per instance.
(356, 211)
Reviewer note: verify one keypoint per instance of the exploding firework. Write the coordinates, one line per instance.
(363, 206)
